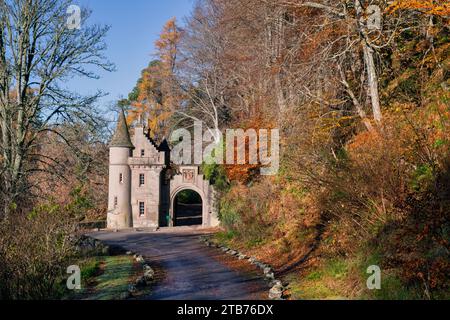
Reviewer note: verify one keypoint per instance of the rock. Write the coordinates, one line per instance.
(276, 292)
(132, 289)
(140, 259)
(148, 277)
(105, 250)
(270, 276)
(242, 256)
(275, 282)
(232, 252)
(146, 267)
(267, 270)
(140, 282)
(225, 249)
(149, 274)
(124, 295)
(129, 253)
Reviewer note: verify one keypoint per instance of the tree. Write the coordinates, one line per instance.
(38, 53)
(157, 94)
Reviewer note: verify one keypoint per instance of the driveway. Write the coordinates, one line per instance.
(192, 271)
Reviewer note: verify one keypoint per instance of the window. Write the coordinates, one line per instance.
(141, 209)
(141, 179)
(142, 152)
(115, 202)
(121, 178)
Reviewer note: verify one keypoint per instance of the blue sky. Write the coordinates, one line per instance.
(135, 25)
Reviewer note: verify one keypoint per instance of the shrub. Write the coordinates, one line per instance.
(35, 251)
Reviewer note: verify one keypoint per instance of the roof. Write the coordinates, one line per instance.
(121, 138)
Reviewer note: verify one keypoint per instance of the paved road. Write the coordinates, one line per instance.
(191, 270)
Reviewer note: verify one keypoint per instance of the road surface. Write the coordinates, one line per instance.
(191, 270)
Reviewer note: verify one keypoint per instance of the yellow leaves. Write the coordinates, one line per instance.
(167, 46)
(430, 7)
(157, 93)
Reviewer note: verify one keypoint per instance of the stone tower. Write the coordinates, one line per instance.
(144, 185)
(119, 199)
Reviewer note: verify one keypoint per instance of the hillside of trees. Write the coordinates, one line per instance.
(363, 111)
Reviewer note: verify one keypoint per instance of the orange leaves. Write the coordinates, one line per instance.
(430, 7)
(243, 172)
(167, 46)
(157, 92)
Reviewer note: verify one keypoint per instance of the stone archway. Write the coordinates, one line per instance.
(188, 207)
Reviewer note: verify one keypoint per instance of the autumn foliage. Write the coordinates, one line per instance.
(155, 96)
(365, 135)
(429, 7)
(352, 190)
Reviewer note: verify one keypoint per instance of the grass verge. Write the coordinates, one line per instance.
(104, 278)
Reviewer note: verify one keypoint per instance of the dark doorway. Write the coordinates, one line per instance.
(187, 208)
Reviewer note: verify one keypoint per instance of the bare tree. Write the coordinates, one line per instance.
(360, 33)
(38, 54)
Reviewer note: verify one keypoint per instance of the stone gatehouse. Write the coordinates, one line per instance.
(147, 191)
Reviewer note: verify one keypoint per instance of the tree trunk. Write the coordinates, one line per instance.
(372, 80)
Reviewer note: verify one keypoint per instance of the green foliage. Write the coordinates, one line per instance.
(106, 283)
(89, 268)
(422, 178)
(225, 237)
(314, 275)
(325, 281)
(115, 278)
(189, 197)
(216, 174)
(228, 215)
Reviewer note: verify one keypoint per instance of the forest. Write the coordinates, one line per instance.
(359, 91)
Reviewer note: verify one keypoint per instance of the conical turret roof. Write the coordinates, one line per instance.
(121, 138)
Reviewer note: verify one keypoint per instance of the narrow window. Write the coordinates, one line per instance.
(142, 152)
(141, 209)
(141, 179)
(121, 178)
(115, 202)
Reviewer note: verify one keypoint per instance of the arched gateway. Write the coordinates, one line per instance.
(145, 190)
(187, 206)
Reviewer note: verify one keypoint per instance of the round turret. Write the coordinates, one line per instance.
(119, 197)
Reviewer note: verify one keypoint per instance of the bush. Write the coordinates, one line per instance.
(35, 251)
(245, 212)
